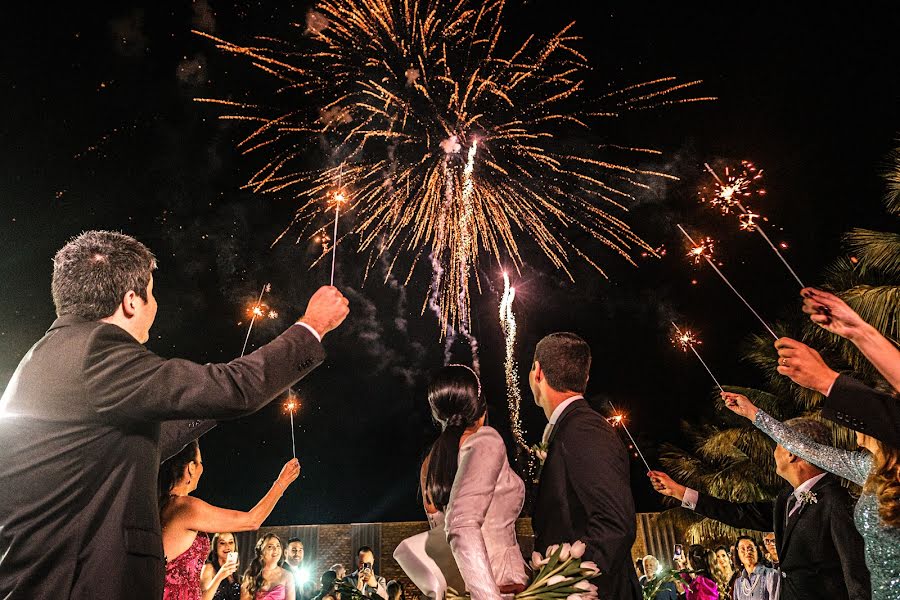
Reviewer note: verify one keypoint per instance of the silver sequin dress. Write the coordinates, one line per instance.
(882, 543)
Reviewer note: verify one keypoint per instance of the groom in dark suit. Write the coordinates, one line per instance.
(819, 549)
(89, 413)
(584, 491)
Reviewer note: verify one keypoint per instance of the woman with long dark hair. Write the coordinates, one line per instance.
(217, 579)
(701, 584)
(468, 489)
(265, 579)
(184, 517)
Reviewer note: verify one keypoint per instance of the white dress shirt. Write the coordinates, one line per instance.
(311, 330)
(554, 416)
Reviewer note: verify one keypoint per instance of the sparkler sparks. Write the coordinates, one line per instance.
(257, 311)
(698, 250)
(619, 419)
(688, 341)
(399, 88)
(732, 193)
(291, 406)
(513, 393)
(702, 251)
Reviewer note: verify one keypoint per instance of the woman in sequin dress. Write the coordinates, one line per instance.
(217, 579)
(183, 517)
(879, 498)
(266, 579)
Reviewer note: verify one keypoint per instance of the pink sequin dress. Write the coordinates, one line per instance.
(183, 571)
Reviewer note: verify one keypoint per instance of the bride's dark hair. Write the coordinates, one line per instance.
(454, 395)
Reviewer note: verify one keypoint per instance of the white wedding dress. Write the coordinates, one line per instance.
(474, 545)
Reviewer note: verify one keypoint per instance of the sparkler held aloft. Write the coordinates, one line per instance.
(703, 251)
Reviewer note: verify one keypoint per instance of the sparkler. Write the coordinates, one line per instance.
(619, 419)
(401, 90)
(686, 339)
(513, 394)
(257, 311)
(732, 192)
(292, 405)
(338, 199)
(705, 252)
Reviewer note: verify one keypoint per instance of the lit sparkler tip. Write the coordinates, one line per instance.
(702, 251)
(685, 338)
(257, 311)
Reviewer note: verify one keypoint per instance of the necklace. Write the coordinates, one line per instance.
(747, 587)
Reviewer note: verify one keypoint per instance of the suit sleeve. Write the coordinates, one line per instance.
(882, 410)
(591, 448)
(743, 515)
(125, 381)
(851, 552)
(480, 462)
(175, 435)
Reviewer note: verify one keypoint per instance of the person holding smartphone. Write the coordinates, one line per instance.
(364, 577)
(217, 578)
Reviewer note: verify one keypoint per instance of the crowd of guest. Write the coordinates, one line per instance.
(741, 571)
(277, 571)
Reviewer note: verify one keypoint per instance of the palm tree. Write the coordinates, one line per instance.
(729, 457)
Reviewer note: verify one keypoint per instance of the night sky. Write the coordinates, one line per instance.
(99, 130)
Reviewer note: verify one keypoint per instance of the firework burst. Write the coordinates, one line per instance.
(451, 144)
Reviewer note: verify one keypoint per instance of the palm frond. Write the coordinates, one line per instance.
(877, 253)
(891, 175)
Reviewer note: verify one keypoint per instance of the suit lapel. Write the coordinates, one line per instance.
(801, 510)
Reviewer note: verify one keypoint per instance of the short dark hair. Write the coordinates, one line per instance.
(94, 271)
(294, 539)
(365, 549)
(565, 360)
(812, 428)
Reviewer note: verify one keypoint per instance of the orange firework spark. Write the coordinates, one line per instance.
(450, 148)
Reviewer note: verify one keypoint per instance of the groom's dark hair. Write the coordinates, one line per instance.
(565, 360)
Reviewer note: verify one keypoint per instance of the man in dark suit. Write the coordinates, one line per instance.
(584, 491)
(818, 546)
(90, 412)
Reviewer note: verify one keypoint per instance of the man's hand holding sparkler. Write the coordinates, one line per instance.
(666, 486)
(804, 366)
(832, 314)
(326, 310)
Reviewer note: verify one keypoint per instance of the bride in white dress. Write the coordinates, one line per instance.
(472, 498)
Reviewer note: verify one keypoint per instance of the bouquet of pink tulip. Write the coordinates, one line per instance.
(561, 574)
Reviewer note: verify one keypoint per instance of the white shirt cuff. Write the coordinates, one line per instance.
(311, 330)
(690, 498)
(830, 387)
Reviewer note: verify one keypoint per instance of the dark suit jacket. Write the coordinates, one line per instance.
(81, 438)
(855, 405)
(584, 493)
(820, 550)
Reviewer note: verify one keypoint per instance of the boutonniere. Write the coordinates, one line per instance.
(540, 451)
(807, 497)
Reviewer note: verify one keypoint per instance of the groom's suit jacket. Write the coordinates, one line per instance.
(819, 548)
(584, 493)
(86, 419)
